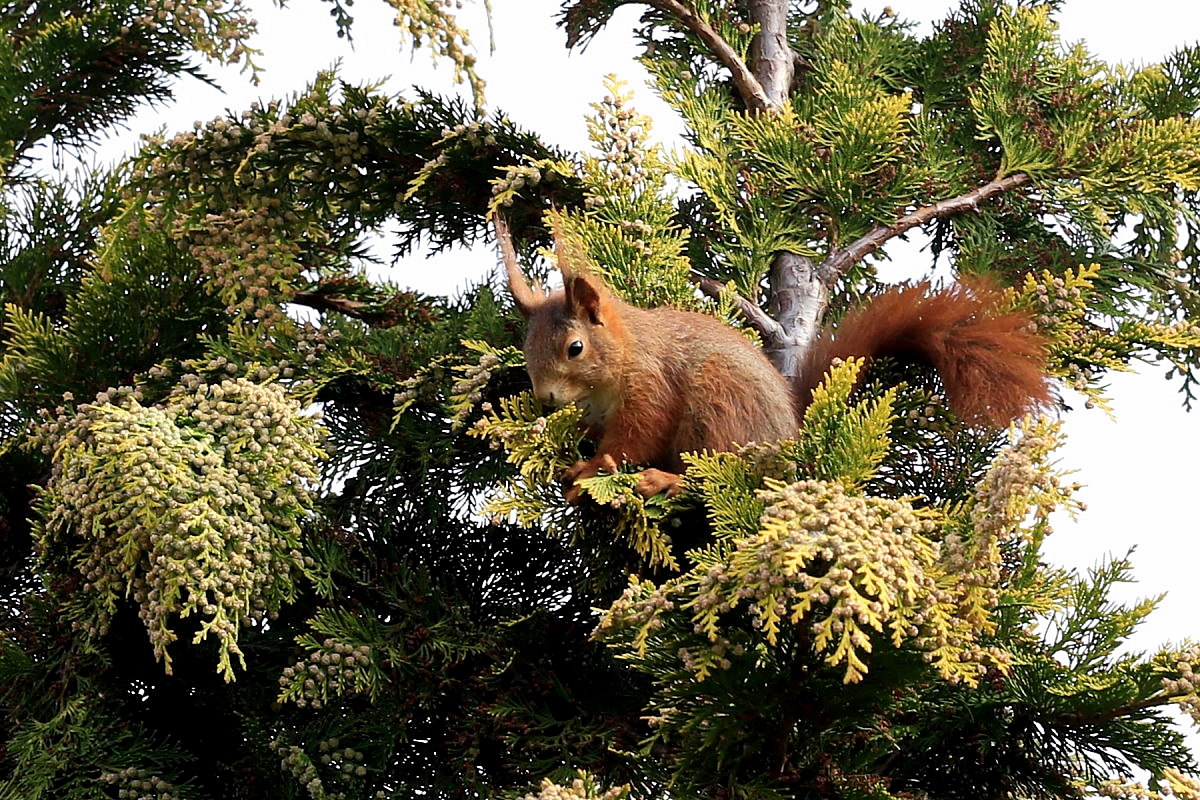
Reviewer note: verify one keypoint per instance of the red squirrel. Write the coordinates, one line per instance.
(654, 383)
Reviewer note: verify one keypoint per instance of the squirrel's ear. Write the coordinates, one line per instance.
(524, 297)
(585, 296)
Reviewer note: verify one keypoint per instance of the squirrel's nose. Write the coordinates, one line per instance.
(546, 396)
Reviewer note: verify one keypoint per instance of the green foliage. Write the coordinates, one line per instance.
(47, 228)
(70, 70)
(861, 611)
(140, 304)
(101, 757)
(794, 588)
(543, 445)
(630, 228)
(283, 212)
(791, 548)
(1041, 104)
(1098, 698)
(334, 666)
(627, 231)
(751, 234)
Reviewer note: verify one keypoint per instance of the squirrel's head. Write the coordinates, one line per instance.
(570, 346)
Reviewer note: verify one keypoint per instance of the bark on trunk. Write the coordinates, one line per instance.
(798, 299)
(771, 59)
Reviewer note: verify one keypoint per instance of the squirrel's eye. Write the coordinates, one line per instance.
(574, 348)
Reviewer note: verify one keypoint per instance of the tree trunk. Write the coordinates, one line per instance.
(798, 298)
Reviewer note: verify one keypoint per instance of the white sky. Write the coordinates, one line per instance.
(1139, 471)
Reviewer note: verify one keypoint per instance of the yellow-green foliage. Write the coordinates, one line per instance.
(1010, 511)
(637, 517)
(1082, 348)
(629, 165)
(543, 446)
(429, 24)
(1172, 784)
(584, 787)
(843, 441)
(1040, 101)
(627, 231)
(248, 237)
(830, 148)
(1022, 488)
(467, 391)
(1062, 117)
(518, 178)
(189, 508)
(729, 482)
(1151, 156)
(1178, 677)
(819, 564)
(470, 378)
(850, 565)
(337, 772)
(842, 156)
(740, 205)
(836, 569)
(838, 441)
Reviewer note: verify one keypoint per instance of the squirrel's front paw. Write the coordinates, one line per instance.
(655, 481)
(602, 462)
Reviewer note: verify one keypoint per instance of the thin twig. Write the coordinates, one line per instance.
(768, 328)
(748, 87)
(840, 261)
(329, 302)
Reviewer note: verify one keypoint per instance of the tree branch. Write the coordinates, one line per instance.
(1096, 718)
(326, 302)
(840, 261)
(769, 329)
(748, 87)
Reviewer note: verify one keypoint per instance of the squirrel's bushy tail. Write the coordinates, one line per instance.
(992, 364)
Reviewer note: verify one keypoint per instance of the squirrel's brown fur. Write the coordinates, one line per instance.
(654, 383)
(992, 365)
